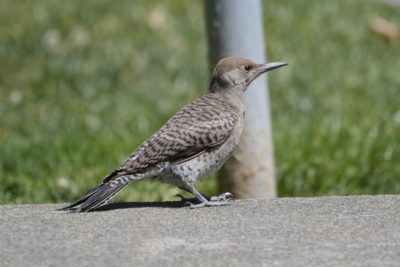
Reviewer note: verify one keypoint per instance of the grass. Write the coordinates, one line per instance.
(78, 82)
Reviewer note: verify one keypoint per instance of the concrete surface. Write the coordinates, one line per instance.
(328, 231)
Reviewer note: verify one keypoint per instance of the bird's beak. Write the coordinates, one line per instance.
(262, 68)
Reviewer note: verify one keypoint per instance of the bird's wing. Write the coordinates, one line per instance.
(202, 125)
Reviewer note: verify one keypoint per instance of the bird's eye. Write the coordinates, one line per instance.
(247, 67)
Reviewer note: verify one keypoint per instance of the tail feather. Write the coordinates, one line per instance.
(99, 196)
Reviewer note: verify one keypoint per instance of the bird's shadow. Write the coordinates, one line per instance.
(130, 205)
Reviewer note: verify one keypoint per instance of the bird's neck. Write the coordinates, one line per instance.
(236, 90)
(225, 86)
(231, 98)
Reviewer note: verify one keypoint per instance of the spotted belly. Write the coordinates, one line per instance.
(196, 169)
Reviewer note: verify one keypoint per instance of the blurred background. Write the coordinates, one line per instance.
(83, 83)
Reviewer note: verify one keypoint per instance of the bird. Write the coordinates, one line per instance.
(198, 139)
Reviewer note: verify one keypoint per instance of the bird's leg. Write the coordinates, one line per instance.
(191, 200)
(220, 200)
(187, 200)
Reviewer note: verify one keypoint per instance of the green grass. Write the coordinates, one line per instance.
(78, 80)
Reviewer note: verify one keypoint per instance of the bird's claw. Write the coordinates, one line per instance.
(220, 200)
(208, 204)
(215, 201)
(224, 197)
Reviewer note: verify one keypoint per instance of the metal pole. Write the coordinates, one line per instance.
(235, 27)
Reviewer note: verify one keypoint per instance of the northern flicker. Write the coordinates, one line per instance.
(196, 140)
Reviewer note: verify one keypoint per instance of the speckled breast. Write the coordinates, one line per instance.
(199, 167)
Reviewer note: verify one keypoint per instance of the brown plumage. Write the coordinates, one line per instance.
(196, 140)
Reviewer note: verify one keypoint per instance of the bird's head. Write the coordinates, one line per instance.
(235, 73)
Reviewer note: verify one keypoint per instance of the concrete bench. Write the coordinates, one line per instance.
(325, 231)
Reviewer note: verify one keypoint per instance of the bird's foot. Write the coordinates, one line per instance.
(208, 204)
(224, 197)
(221, 200)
